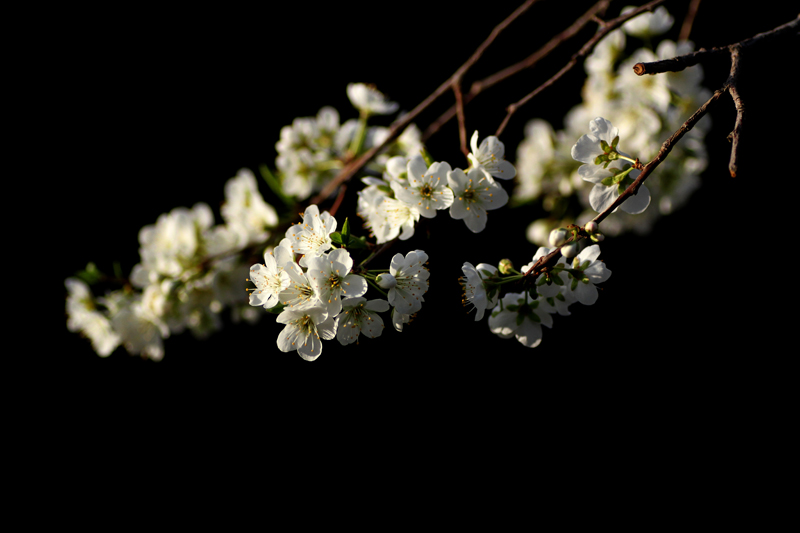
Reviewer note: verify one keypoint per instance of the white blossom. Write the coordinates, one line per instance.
(518, 316)
(311, 237)
(475, 292)
(648, 24)
(305, 330)
(329, 275)
(83, 317)
(489, 157)
(474, 194)
(270, 278)
(360, 316)
(411, 278)
(586, 272)
(369, 100)
(427, 188)
(245, 209)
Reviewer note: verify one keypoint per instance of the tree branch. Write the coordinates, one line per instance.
(605, 28)
(480, 85)
(354, 166)
(736, 134)
(676, 64)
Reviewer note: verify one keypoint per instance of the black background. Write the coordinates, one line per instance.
(150, 110)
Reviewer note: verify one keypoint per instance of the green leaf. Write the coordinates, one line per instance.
(346, 231)
(274, 185)
(336, 238)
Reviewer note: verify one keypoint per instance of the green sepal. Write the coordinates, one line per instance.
(520, 319)
(385, 189)
(426, 156)
(90, 275)
(608, 182)
(615, 142)
(512, 307)
(276, 309)
(574, 284)
(604, 146)
(557, 280)
(353, 242)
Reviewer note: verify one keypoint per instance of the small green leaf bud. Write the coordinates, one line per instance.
(505, 266)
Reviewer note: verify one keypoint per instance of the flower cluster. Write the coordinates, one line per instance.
(413, 187)
(313, 149)
(314, 287)
(644, 110)
(188, 273)
(522, 314)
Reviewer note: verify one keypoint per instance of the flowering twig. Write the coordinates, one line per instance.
(480, 85)
(604, 29)
(666, 148)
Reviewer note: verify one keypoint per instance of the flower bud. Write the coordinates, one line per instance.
(557, 237)
(591, 227)
(597, 237)
(386, 281)
(570, 250)
(505, 266)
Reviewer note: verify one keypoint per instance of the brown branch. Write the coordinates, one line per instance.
(481, 85)
(462, 128)
(605, 28)
(354, 166)
(736, 134)
(338, 201)
(688, 21)
(676, 64)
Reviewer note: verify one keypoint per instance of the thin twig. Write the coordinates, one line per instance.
(350, 169)
(582, 53)
(479, 86)
(462, 127)
(736, 134)
(676, 64)
(688, 21)
(338, 201)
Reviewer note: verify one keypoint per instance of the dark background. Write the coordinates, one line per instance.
(153, 109)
